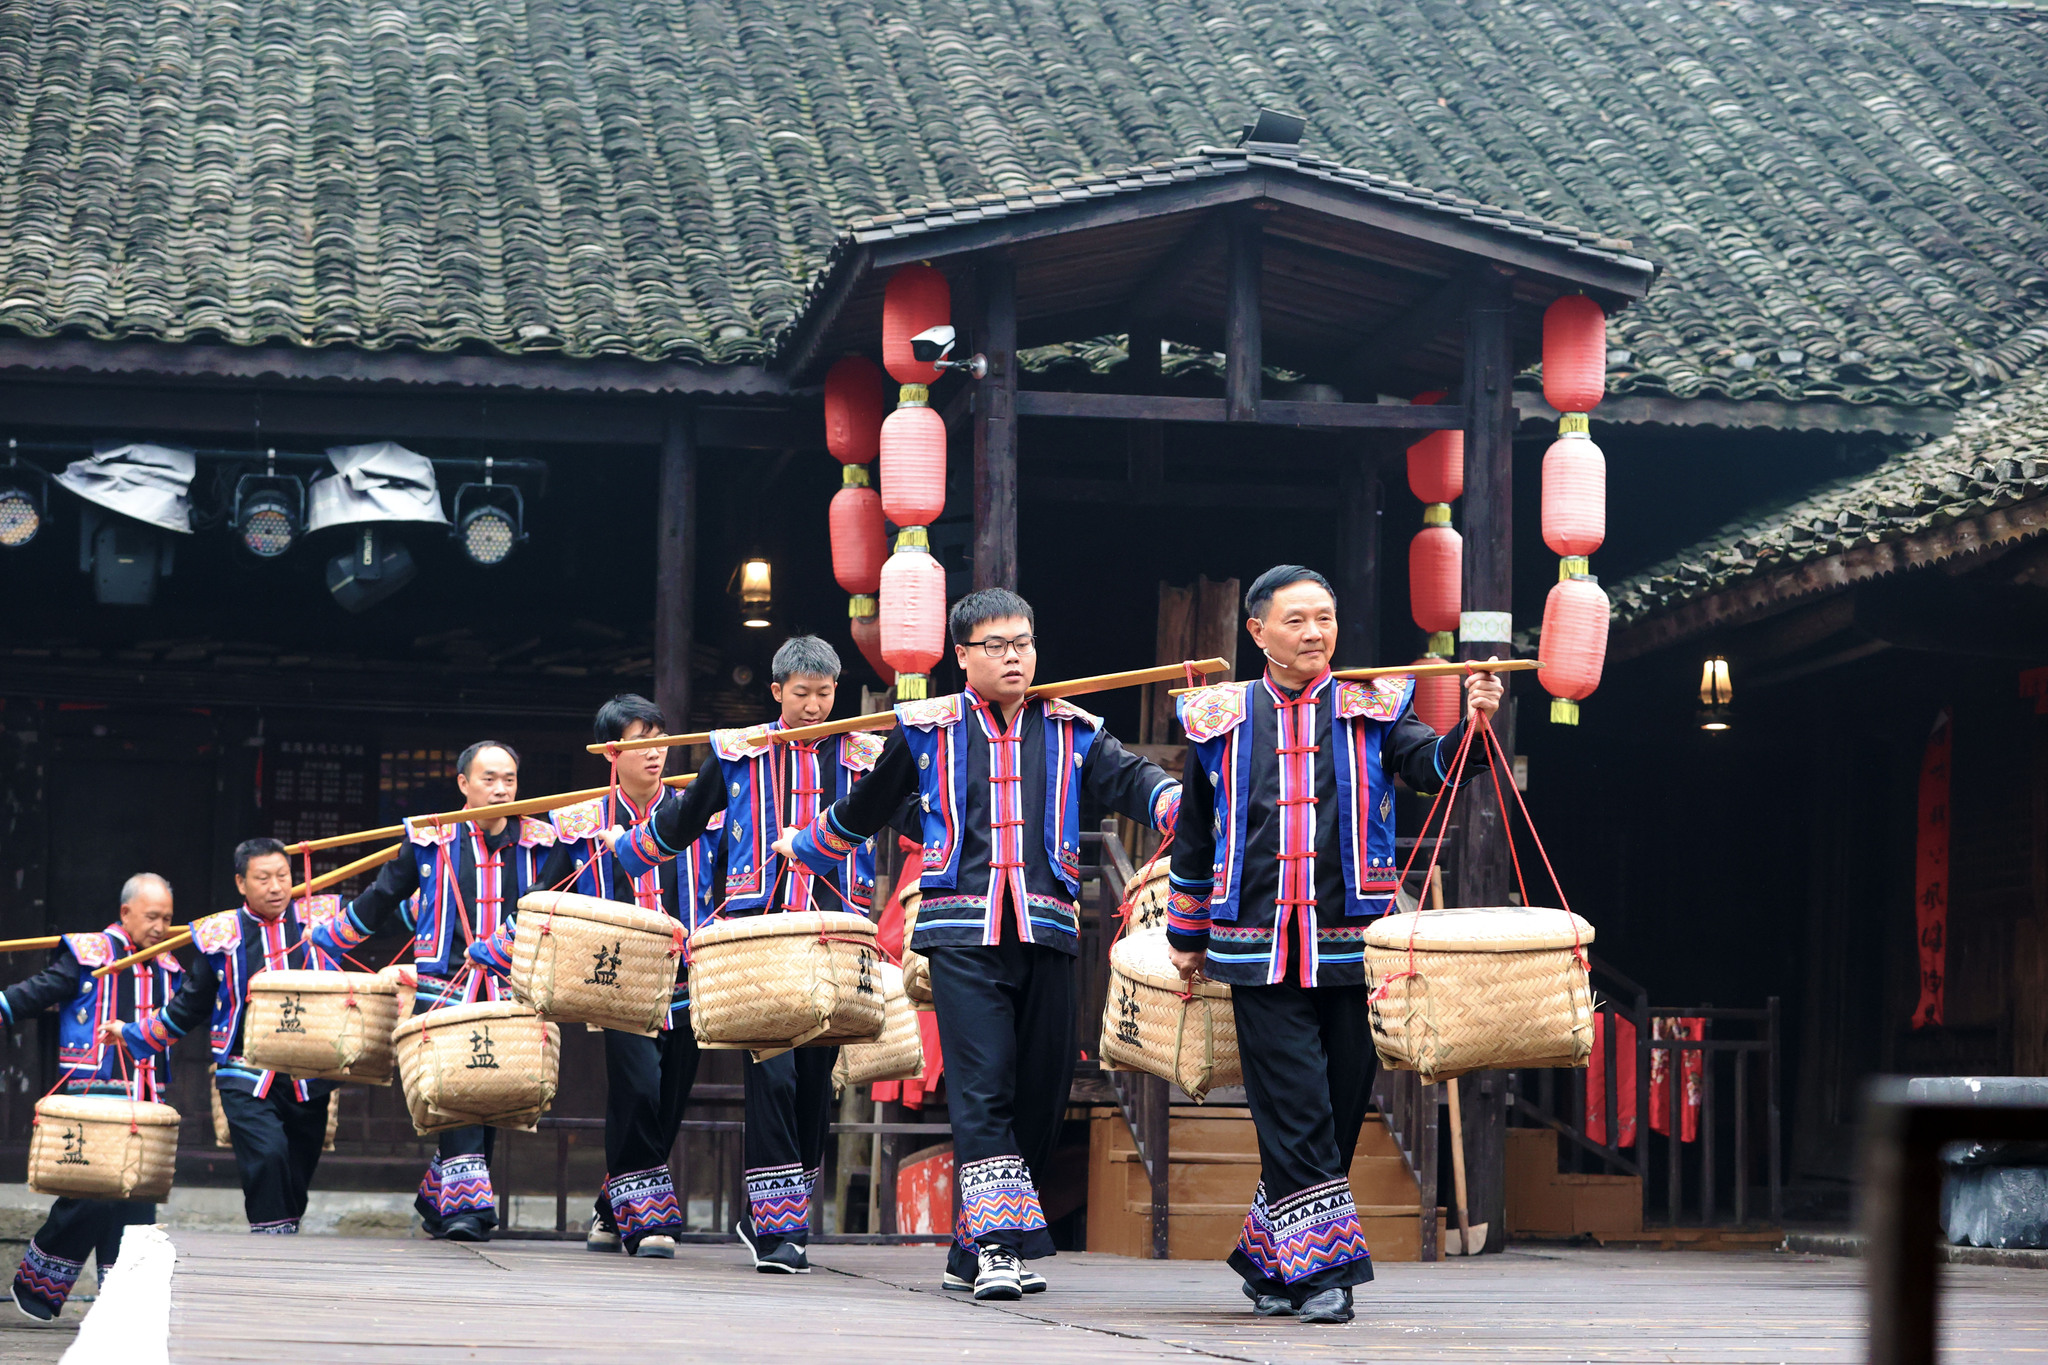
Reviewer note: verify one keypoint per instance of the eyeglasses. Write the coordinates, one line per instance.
(995, 646)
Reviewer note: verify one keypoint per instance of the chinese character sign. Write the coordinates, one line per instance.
(1931, 871)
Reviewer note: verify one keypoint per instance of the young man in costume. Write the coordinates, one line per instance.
(92, 1065)
(998, 781)
(1286, 851)
(467, 878)
(276, 1124)
(760, 787)
(647, 1080)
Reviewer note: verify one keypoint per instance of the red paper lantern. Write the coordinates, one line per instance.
(856, 393)
(913, 617)
(915, 300)
(1574, 354)
(1574, 496)
(867, 637)
(1436, 463)
(1574, 645)
(913, 465)
(859, 541)
(1436, 566)
(1439, 699)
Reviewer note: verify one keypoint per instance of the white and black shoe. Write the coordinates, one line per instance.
(600, 1237)
(657, 1245)
(959, 1282)
(1001, 1276)
(1030, 1281)
(787, 1259)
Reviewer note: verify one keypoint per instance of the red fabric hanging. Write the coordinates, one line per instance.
(1930, 872)
(889, 934)
(1596, 1082)
(1660, 1079)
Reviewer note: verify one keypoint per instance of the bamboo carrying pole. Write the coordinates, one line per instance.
(535, 805)
(1418, 671)
(183, 936)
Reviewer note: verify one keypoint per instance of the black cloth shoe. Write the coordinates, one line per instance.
(1331, 1305)
(33, 1307)
(465, 1227)
(1267, 1305)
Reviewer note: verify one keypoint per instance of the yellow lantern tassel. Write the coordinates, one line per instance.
(1564, 711)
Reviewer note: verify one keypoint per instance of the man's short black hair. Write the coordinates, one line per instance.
(249, 850)
(468, 756)
(1259, 595)
(616, 716)
(979, 608)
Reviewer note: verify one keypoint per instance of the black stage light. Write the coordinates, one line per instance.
(269, 513)
(24, 491)
(374, 568)
(490, 519)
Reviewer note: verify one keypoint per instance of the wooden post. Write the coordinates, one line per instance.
(1242, 328)
(1358, 568)
(675, 571)
(995, 428)
(1486, 628)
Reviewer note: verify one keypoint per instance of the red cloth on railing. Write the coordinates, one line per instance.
(1660, 1079)
(889, 933)
(1625, 1091)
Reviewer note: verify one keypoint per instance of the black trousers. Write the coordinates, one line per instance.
(789, 1118)
(458, 1180)
(1006, 1024)
(1308, 1072)
(647, 1083)
(75, 1229)
(277, 1141)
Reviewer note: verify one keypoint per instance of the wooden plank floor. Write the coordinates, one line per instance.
(317, 1299)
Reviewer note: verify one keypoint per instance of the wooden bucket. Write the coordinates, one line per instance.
(895, 1056)
(768, 983)
(1146, 895)
(917, 972)
(1154, 1022)
(102, 1147)
(327, 1026)
(495, 1062)
(1488, 988)
(579, 959)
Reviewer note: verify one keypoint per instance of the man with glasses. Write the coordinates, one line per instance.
(998, 782)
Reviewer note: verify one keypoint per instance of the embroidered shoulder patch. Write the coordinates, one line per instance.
(532, 832)
(860, 749)
(738, 744)
(217, 933)
(316, 910)
(1212, 711)
(715, 822)
(931, 711)
(579, 821)
(1380, 699)
(91, 950)
(429, 834)
(1060, 708)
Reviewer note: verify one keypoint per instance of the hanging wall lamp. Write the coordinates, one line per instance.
(1717, 696)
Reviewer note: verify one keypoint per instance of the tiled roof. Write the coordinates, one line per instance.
(1848, 199)
(1995, 458)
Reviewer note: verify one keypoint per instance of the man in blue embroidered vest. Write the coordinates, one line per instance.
(998, 781)
(1286, 852)
(452, 887)
(647, 1080)
(77, 1228)
(276, 1124)
(760, 788)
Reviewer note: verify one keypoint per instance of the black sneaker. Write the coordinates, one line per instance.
(465, 1227)
(787, 1259)
(1331, 1305)
(1268, 1305)
(1000, 1276)
(33, 1307)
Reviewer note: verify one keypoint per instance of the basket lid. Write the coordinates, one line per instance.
(1149, 873)
(456, 1016)
(1142, 957)
(803, 923)
(1491, 929)
(613, 914)
(314, 982)
(107, 1109)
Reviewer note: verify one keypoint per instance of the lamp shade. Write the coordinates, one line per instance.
(1574, 496)
(1436, 567)
(867, 637)
(1439, 699)
(913, 614)
(856, 393)
(915, 300)
(1574, 645)
(913, 465)
(1574, 354)
(859, 542)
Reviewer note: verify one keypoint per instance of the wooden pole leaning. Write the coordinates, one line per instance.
(535, 805)
(1420, 671)
(183, 936)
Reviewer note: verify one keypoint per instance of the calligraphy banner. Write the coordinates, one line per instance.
(1931, 872)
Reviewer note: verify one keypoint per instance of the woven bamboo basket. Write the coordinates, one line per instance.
(328, 1026)
(1152, 1021)
(579, 959)
(895, 1056)
(917, 970)
(405, 980)
(768, 983)
(495, 1062)
(1146, 895)
(102, 1147)
(1482, 988)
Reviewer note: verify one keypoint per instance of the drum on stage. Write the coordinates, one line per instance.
(327, 1026)
(1468, 990)
(579, 959)
(898, 1054)
(102, 1147)
(917, 970)
(496, 1062)
(1153, 1021)
(768, 983)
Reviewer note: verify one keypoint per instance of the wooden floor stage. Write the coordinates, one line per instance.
(318, 1299)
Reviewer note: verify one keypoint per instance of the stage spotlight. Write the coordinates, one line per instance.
(23, 496)
(374, 568)
(372, 487)
(490, 519)
(145, 487)
(269, 511)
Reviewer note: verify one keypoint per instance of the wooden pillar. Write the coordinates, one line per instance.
(1358, 567)
(1485, 875)
(995, 428)
(675, 571)
(1243, 343)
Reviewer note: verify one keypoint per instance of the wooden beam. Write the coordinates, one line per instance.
(1167, 281)
(1410, 330)
(1117, 493)
(1736, 414)
(887, 251)
(1272, 412)
(817, 324)
(675, 569)
(1243, 328)
(995, 428)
